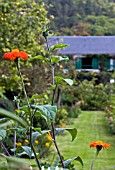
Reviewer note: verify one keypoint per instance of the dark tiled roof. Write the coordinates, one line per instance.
(85, 44)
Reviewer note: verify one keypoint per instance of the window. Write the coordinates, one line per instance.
(87, 63)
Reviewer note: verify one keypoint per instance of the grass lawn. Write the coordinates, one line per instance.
(90, 126)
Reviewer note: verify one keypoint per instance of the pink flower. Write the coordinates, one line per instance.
(111, 118)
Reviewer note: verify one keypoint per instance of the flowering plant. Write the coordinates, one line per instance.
(110, 115)
(98, 145)
(28, 142)
(15, 54)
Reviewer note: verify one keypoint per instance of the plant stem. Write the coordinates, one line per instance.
(32, 147)
(53, 95)
(31, 115)
(93, 161)
(15, 133)
(14, 140)
(54, 140)
(92, 164)
(53, 129)
(3, 146)
(23, 85)
(48, 48)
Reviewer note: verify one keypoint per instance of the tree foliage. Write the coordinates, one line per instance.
(76, 13)
(22, 25)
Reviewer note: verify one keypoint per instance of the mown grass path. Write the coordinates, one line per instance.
(90, 126)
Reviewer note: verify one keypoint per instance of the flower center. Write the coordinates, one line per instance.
(15, 50)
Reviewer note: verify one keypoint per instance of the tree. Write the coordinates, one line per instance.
(69, 14)
(22, 25)
(64, 12)
(100, 25)
(81, 29)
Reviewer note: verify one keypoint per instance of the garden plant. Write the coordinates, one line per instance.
(27, 141)
(29, 127)
(20, 138)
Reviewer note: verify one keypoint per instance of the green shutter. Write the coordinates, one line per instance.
(113, 64)
(108, 64)
(78, 63)
(95, 63)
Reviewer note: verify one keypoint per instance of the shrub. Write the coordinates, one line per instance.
(61, 117)
(94, 97)
(73, 111)
(110, 114)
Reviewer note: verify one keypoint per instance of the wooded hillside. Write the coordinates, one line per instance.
(86, 17)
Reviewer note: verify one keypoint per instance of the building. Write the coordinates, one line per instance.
(80, 46)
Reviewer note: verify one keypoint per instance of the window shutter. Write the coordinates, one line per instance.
(108, 64)
(114, 64)
(78, 63)
(95, 63)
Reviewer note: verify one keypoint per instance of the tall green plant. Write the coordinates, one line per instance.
(26, 113)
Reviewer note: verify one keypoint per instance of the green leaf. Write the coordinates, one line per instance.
(1, 138)
(13, 149)
(59, 80)
(2, 133)
(14, 163)
(13, 117)
(69, 81)
(2, 120)
(56, 59)
(35, 135)
(72, 131)
(28, 150)
(58, 46)
(38, 57)
(47, 110)
(16, 150)
(24, 153)
(77, 158)
(13, 129)
(37, 96)
(37, 129)
(7, 123)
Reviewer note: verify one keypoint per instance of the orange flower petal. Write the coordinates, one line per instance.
(15, 54)
(106, 145)
(23, 55)
(9, 56)
(98, 144)
(92, 144)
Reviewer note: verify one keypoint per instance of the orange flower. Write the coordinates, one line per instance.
(99, 144)
(15, 54)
